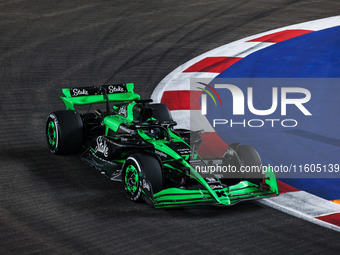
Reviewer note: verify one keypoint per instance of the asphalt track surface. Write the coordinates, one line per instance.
(57, 205)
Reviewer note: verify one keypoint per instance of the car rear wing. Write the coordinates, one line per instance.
(98, 94)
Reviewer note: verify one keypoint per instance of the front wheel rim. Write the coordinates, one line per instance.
(51, 134)
(131, 179)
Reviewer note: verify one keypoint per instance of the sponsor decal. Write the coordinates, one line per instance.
(162, 154)
(115, 89)
(125, 129)
(146, 185)
(211, 180)
(123, 139)
(79, 92)
(102, 146)
(123, 110)
(182, 151)
(52, 116)
(213, 187)
(87, 91)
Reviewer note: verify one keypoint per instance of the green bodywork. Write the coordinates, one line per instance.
(113, 122)
(171, 197)
(242, 191)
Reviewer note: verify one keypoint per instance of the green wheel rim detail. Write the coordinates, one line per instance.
(51, 134)
(131, 179)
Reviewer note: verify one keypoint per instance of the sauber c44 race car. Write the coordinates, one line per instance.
(135, 142)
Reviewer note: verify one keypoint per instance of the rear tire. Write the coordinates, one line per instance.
(137, 167)
(64, 132)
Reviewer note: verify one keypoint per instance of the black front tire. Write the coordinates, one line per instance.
(251, 159)
(64, 132)
(137, 167)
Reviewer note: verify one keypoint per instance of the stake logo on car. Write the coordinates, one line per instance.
(102, 146)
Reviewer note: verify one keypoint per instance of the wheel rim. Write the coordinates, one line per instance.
(131, 179)
(51, 134)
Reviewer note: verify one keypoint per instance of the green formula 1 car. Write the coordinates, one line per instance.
(135, 142)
